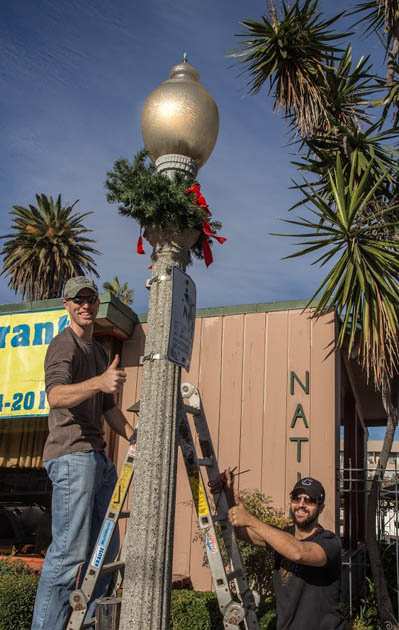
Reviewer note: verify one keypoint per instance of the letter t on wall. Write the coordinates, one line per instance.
(299, 441)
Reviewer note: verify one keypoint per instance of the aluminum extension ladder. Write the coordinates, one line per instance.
(235, 599)
(80, 598)
(235, 609)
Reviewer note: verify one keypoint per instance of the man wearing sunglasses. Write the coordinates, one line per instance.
(80, 388)
(307, 568)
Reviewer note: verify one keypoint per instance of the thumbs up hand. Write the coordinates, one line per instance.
(238, 514)
(113, 378)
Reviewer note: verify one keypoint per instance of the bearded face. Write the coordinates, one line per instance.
(304, 512)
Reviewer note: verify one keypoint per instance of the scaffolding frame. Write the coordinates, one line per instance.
(353, 482)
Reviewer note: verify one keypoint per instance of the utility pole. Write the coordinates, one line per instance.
(180, 126)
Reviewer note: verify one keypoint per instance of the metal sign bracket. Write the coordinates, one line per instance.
(152, 356)
(161, 278)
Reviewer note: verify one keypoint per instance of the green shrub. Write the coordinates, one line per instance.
(16, 567)
(193, 610)
(259, 561)
(18, 586)
(367, 614)
(367, 619)
(267, 615)
(190, 610)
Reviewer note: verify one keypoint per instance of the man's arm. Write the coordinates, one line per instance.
(72, 394)
(118, 422)
(285, 544)
(248, 535)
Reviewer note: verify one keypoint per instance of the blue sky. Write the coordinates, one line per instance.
(73, 78)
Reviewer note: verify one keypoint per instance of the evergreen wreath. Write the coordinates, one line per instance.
(152, 199)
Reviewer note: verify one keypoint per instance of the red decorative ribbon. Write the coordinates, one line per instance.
(140, 246)
(201, 201)
(207, 252)
(207, 231)
(206, 248)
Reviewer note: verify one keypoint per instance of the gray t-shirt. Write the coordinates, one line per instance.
(69, 359)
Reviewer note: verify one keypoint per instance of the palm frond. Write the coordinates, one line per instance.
(290, 54)
(380, 16)
(121, 291)
(354, 146)
(362, 284)
(347, 89)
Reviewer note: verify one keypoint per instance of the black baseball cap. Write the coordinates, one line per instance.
(313, 488)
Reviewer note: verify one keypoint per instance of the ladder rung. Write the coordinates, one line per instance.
(112, 566)
(234, 574)
(220, 518)
(124, 515)
(205, 461)
(192, 410)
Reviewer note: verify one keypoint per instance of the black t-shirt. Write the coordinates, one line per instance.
(308, 597)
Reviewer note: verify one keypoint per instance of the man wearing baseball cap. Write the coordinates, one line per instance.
(307, 568)
(80, 386)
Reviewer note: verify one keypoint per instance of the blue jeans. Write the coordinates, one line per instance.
(82, 487)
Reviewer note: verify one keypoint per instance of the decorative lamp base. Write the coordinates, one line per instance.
(172, 163)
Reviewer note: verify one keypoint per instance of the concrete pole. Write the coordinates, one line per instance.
(149, 547)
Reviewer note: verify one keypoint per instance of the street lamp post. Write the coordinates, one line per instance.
(180, 126)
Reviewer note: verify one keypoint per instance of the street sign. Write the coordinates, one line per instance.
(182, 321)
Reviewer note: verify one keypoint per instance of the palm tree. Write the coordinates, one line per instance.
(362, 287)
(291, 52)
(48, 245)
(121, 291)
(351, 186)
(382, 17)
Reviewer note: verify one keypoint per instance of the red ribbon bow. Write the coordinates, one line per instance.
(140, 245)
(201, 201)
(206, 248)
(207, 231)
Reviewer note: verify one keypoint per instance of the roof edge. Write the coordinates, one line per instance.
(242, 309)
(55, 303)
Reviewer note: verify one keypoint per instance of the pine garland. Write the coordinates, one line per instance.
(154, 200)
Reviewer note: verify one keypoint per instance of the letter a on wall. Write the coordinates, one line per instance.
(299, 414)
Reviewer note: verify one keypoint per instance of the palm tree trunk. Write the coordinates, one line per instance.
(385, 608)
(392, 56)
(272, 12)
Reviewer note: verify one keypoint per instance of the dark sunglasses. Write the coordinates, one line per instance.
(82, 299)
(307, 500)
